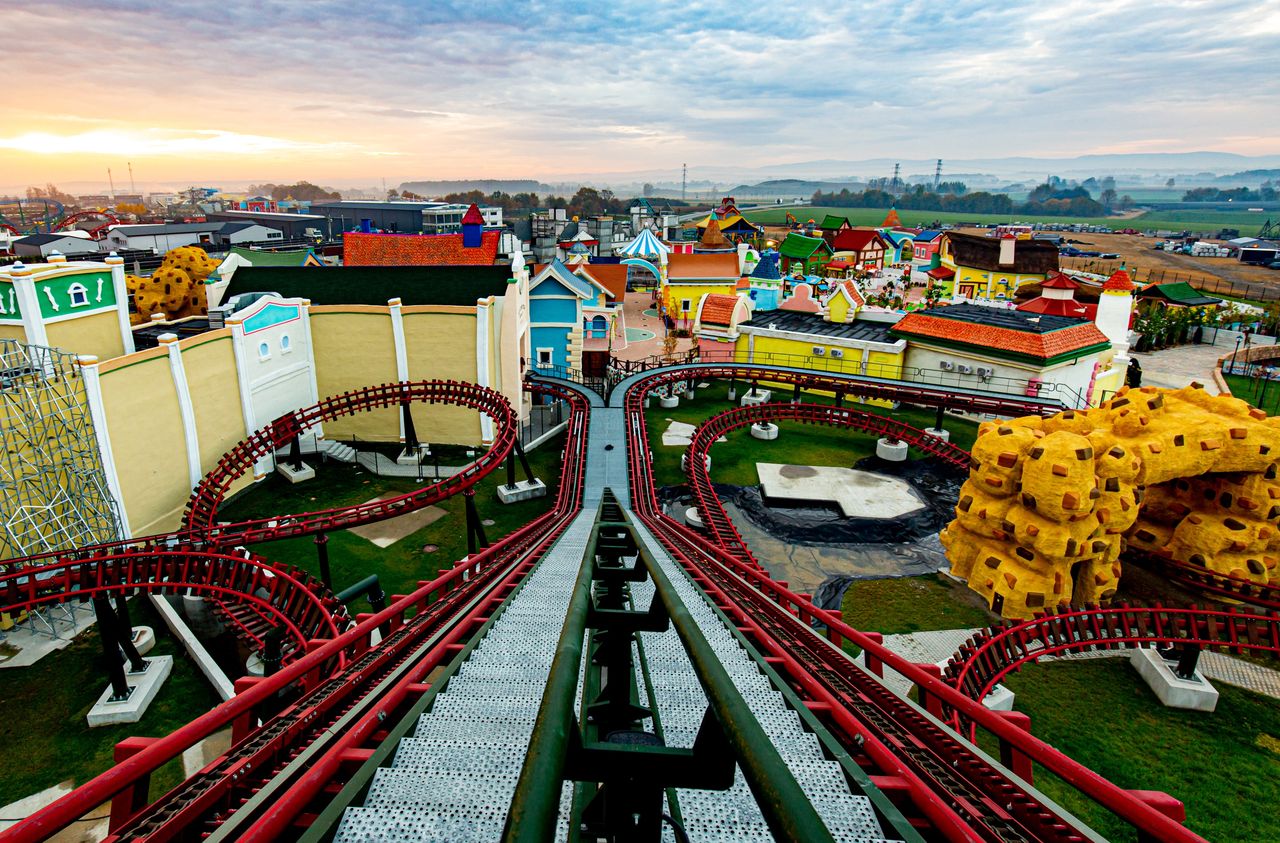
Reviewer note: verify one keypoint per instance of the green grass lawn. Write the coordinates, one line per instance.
(1193, 220)
(913, 604)
(1224, 766)
(402, 565)
(1251, 390)
(44, 738)
(733, 462)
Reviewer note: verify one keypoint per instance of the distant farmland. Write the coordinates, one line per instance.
(1208, 221)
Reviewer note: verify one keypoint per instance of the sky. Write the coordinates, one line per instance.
(345, 92)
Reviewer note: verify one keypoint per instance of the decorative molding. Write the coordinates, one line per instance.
(98, 415)
(185, 408)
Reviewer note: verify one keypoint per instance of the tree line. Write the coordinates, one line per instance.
(1265, 193)
(1046, 199)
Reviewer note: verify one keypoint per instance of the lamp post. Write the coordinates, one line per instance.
(1234, 354)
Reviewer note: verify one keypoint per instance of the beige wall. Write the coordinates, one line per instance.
(98, 334)
(13, 332)
(353, 348)
(215, 396)
(442, 346)
(147, 441)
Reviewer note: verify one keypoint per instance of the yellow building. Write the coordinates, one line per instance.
(689, 277)
(81, 306)
(976, 267)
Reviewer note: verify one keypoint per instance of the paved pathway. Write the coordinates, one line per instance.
(1176, 367)
(936, 647)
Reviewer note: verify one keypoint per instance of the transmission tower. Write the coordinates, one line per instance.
(684, 179)
(894, 185)
(1270, 230)
(53, 489)
(937, 176)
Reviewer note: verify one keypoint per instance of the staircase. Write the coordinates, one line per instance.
(335, 450)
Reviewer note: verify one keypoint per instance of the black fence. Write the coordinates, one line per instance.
(1254, 290)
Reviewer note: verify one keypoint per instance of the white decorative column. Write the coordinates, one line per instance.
(240, 351)
(396, 312)
(305, 313)
(169, 342)
(122, 301)
(24, 288)
(98, 415)
(482, 364)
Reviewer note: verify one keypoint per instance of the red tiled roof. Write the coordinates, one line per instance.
(473, 216)
(416, 249)
(854, 295)
(709, 266)
(1058, 281)
(717, 309)
(941, 273)
(994, 338)
(1119, 280)
(857, 240)
(1060, 307)
(611, 276)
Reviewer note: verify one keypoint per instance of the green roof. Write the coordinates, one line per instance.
(1178, 292)
(260, 258)
(801, 247)
(832, 223)
(413, 285)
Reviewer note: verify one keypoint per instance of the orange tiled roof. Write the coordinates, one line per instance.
(611, 276)
(717, 309)
(1043, 346)
(416, 249)
(852, 291)
(703, 267)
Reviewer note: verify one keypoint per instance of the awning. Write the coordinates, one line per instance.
(941, 273)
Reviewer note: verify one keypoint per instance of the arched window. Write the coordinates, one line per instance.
(264, 351)
(79, 294)
(599, 327)
(286, 344)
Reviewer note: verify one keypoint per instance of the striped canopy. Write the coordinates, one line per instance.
(645, 245)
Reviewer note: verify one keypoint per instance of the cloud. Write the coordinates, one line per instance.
(158, 142)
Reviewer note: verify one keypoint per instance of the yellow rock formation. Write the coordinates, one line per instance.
(1050, 504)
(176, 289)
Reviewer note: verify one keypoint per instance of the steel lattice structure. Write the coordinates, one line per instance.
(53, 489)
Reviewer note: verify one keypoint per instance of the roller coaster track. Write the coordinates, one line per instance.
(938, 775)
(1216, 583)
(712, 510)
(992, 654)
(322, 711)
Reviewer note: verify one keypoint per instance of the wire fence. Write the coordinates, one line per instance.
(1253, 290)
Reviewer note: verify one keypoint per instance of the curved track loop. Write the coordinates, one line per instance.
(940, 777)
(272, 773)
(709, 505)
(207, 497)
(196, 556)
(992, 654)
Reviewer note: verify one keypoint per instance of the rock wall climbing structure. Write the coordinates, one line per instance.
(1051, 503)
(176, 288)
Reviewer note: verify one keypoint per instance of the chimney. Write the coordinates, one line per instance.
(1007, 244)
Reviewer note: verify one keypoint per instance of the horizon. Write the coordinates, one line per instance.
(311, 92)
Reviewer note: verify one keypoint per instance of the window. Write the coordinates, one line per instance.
(544, 357)
(79, 294)
(686, 305)
(275, 235)
(286, 344)
(264, 351)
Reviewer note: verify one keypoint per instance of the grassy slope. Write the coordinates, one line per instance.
(1102, 714)
(733, 462)
(1192, 220)
(913, 604)
(44, 738)
(402, 565)
(1250, 390)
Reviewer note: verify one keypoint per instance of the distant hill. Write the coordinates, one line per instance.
(790, 188)
(508, 186)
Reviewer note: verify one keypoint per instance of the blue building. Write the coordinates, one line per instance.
(572, 310)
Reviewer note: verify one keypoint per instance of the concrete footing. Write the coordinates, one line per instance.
(295, 476)
(1195, 693)
(668, 401)
(143, 688)
(764, 430)
(523, 490)
(694, 518)
(891, 451)
(944, 435)
(1000, 699)
(756, 396)
(684, 461)
(144, 638)
(414, 457)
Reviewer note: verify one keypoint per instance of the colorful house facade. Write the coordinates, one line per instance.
(803, 254)
(80, 306)
(716, 325)
(861, 247)
(691, 276)
(575, 310)
(991, 268)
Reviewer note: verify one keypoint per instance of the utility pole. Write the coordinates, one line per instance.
(132, 187)
(111, 182)
(684, 180)
(893, 185)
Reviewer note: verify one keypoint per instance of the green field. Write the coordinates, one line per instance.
(734, 461)
(1251, 390)
(1247, 222)
(1224, 766)
(913, 604)
(45, 740)
(400, 566)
